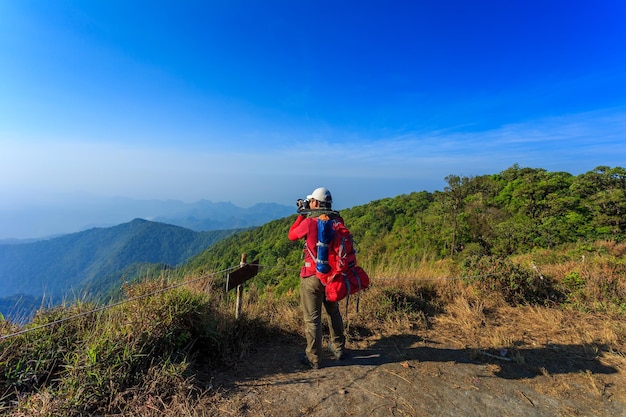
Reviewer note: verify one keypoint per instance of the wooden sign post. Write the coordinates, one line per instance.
(238, 277)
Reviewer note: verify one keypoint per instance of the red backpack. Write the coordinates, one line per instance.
(336, 265)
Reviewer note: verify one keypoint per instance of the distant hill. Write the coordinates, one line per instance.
(92, 259)
(206, 215)
(75, 213)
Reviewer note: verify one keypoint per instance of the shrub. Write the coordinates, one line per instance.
(516, 285)
(85, 361)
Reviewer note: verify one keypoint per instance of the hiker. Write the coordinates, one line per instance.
(312, 294)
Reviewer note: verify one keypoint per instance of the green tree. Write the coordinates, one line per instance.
(603, 195)
(454, 197)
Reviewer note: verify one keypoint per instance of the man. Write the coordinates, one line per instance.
(312, 296)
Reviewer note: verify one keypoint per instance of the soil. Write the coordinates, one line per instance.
(428, 373)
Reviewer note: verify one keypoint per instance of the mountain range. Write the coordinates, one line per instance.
(59, 264)
(98, 259)
(75, 213)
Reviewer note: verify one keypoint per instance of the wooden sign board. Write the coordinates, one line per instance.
(241, 275)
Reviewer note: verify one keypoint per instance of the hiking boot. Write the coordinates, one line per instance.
(304, 360)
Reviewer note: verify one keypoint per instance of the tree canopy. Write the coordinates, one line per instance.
(512, 212)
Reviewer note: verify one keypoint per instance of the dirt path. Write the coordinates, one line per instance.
(423, 375)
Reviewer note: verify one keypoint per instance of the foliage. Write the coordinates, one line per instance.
(492, 275)
(92, 362)
(524, 236)
(513, 212)
(164, 339)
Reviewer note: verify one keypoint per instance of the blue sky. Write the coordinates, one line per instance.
(250, 101)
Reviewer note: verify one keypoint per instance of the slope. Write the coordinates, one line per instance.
(57, 266)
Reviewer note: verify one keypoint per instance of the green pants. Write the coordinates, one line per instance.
(312, 298)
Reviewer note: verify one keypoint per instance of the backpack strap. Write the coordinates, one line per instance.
(310, 251)
(312, 214)
(358, 293)
(345, 277)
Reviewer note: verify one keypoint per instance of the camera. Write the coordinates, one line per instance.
(302, 204)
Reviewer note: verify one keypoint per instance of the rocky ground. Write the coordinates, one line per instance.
(429, 373)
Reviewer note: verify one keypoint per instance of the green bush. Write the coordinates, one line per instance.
(84, 361)
(516, 285)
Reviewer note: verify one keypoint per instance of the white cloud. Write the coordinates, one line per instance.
(382, 167)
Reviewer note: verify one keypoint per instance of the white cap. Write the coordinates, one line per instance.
(321, 194)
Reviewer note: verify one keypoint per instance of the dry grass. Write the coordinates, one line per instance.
(427, 299)
(612, 248)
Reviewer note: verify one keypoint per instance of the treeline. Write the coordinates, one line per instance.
(503, 214)
(512, 212)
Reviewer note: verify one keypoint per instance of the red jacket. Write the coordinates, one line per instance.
(306, 227)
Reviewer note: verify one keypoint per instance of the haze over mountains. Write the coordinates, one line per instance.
(77, 212)
(99, 242)
(92, 262)
(55, 266)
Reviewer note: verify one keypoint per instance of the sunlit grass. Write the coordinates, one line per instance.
(147, 356)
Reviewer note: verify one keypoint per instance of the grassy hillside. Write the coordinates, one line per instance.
(474, 225)
(165, 345)
(509, 262)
